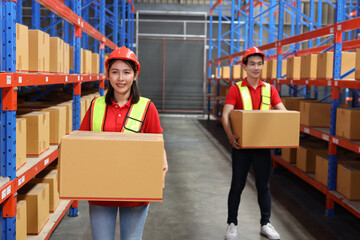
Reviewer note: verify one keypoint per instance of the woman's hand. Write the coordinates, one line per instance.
(165, 168)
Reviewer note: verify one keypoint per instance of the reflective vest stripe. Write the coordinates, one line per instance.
(245, 96)
(136, 115)
(133, 121)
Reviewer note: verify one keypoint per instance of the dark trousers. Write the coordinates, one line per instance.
(261, 161)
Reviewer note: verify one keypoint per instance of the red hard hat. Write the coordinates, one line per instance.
(251, 51)
(123, 53)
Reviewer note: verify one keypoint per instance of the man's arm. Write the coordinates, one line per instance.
(279, 106)
(227, 125)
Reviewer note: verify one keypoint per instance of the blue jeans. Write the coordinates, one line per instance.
(261, 161)
(103, 221)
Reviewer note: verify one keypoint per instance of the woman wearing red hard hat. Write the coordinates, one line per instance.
(121, 110)
(250, 94)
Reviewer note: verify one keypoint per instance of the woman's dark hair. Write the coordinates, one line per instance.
(255, 54)
(134, 91)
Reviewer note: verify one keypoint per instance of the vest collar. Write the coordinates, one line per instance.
(245, 83)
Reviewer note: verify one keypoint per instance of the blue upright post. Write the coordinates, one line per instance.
(311, 24)
(85, 37)
(339, 17)
(8, 116)
(298, 23)
(280, 36)
(66, 26)
(35, 15)
(128, 41)
(357, 31)
(52, 23)
(96, 25)
(232, 26)
(238, 25)
(210, 54)
(132, 30)
(102, 46)
(19, 11)
(123, 18)
(116, 23)
(251, 24)
(261, 27)
(319, 13)
(247, 19)
(272, 25)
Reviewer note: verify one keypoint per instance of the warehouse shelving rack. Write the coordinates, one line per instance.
(337, 31)
(66, 12)
(259, 13)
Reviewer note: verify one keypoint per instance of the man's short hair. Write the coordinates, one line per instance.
(255, 54)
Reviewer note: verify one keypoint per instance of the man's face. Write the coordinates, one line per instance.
(254, 66)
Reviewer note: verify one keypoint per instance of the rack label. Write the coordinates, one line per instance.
(359, 150)
(307, 81)
(78, 77)
(336, 83)
(20, 79)
(8, 79)
(339, 27)
(21, 181)
(47, 79)
(66, 78)
(90, 77)
(325, 137)
(335, 140)
(329, 83)
(46, 162)
(306, 130)
(5, 192)
(332, 30)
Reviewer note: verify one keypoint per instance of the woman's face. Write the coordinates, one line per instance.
(121, 77)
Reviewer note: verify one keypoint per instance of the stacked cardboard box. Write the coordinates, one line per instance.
(348, 181)
(313, 114)
(243, 73)
(293, 103)
(326, 61)
(66, 58)
(306, 157)
(57, 55)
(57, 123)
(357, 64)
(236, 71)
(293, 68)
(21, 220)
(39, 51)
(225, 72)
(20, 142)
(263, 75)
(308, 66)
(86, 62)
(347, 123)
(95, 61)
(22, 48)
(222, 90)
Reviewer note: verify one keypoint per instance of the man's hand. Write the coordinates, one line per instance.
(234, 141)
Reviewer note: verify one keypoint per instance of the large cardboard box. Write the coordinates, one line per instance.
(86, 60)
(37, 202)
(95, 61)
(20, 142)
(322, 167)
(236, 71)
(271, 69)
(293, 68)
(293, 103)
(218, 72)
(225, 72)
(66, 58)
(56, 55)
(348, 181)
(51, 179)
(71, 59)
(308, 66)
(22, 48)
(313, 114)
(39, 51)
(69, 115)
(289, 154)
(89, 174)
(21, 220)
(37, 132)
(347, 123)
(326, 61)
(57, 123)
(222, 90)
(306, 157)
(266, 129)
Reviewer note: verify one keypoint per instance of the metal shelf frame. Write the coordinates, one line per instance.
(75, 29)
(347, 22)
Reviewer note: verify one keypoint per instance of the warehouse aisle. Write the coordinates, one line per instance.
(195, 197)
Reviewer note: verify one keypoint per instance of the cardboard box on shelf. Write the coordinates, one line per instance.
(293, 103)
(66, 58)
(222, 90)
(266, 129)
(50, 177)
(314, 114)
(136, 174)
(293, 68)
(21, 220)
(243, 73)
(20, 142)
(39, 51)
(57, 123)
(357, 64)
(236, 71)
(57, 55)
(95, 61)
(22, 48)
(348, 180)
(37, 132)
(263, 75)
(69, 115)
(308, 66)
(86, 60)
(306, 157)
(289, 154)
(37, 202)
(271, 69)
(326, 61)
(322, 166)
(221, 107)
(225, 72)
(347, 123)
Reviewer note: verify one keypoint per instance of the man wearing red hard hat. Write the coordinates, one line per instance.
(250, 94)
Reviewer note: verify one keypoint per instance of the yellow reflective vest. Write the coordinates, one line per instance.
(134, 119)
(246, 98)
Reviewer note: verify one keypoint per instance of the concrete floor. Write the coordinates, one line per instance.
(195, 197)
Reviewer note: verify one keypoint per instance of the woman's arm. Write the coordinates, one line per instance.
(165, 168)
